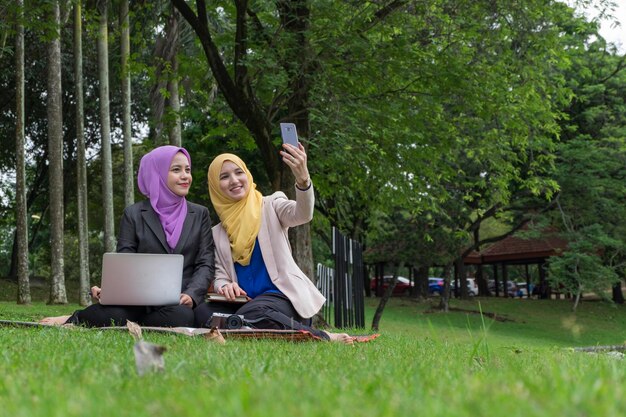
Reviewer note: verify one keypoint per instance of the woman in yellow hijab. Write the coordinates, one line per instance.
(253, 257)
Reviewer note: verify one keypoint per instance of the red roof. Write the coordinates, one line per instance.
(514, 248)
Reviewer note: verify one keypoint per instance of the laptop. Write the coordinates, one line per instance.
(141, 279)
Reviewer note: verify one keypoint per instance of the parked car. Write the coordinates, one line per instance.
(522, 291)
(511, 287)
(435, 286)
(402, 288)
(472, 287)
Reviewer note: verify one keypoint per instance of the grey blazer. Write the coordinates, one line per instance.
(141, 232)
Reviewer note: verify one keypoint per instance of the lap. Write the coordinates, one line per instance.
(98, 315)
(270, 311)
(168, 316)
(267, 311)
(268, 302)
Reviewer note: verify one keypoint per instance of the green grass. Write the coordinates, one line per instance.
(429, 364)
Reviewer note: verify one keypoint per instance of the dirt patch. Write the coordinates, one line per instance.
(493, 316)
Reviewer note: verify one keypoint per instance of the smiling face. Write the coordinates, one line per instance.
(179, 175)
(233, 181)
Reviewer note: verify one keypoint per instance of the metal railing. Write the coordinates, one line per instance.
(343, 287)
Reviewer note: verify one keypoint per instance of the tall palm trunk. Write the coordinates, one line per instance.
(21, 215)
(81, 165)
(129, 190)
(105, 126)
(55, 155)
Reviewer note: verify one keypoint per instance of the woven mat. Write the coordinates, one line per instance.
(291, 335)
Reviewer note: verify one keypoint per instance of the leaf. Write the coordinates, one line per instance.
(134, 329)
(214, 336)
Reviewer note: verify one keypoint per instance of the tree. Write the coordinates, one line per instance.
(81, 164)
(105, 126)
(173, 99)
(470, 96)
(397, 93)
(591, 170)
(129, 175)
(247, 100)
(164, 97)
(21, 215)
(590, 209)
(55, 155)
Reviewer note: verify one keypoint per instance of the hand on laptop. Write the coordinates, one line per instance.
(95, 292)
(186, 300)
(230, 291)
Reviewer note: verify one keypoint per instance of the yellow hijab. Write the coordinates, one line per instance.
(241, 219)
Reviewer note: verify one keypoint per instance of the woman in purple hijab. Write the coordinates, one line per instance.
(164, 223)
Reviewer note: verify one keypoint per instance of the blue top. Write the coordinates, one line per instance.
(254, 278)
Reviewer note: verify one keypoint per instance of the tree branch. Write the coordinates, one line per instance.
(381, 14)
(620, 66)
(199, 23)
(239, 95)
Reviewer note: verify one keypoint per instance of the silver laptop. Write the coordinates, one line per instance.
(142, 279)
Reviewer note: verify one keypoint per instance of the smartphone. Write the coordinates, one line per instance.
(289, 133)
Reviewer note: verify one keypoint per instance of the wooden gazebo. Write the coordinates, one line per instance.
(516, 250)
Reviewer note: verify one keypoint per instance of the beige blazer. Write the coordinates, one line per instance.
(279, 214)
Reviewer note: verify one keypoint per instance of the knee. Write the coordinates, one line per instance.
(201, 314)
(186, 315)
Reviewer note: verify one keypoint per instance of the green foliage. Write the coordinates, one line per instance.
(469, 127)
(581, 268)
(591, 172)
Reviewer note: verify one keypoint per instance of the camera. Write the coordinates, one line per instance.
(226, 321)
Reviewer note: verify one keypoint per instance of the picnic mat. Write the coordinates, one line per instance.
(291, 335)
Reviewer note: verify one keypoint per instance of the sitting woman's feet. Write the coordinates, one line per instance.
(341, 338)
(54, 321)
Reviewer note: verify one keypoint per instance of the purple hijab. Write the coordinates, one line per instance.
(152, 180)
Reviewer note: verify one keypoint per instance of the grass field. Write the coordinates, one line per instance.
(423, 364)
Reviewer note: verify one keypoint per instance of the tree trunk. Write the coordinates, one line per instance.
(175, 133)
(173, 101)
(21, 209)
(618, 295)
(383, 301)
(105, 126)
(505, 280)
(462, 273)
(129, 175)
(33, 193)
(295, 17)
(421, 282)
(81, 164)
(483, 285)
(444, 301)
(165, 110)
(55, 155)
(366, 282)
(579, 293)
